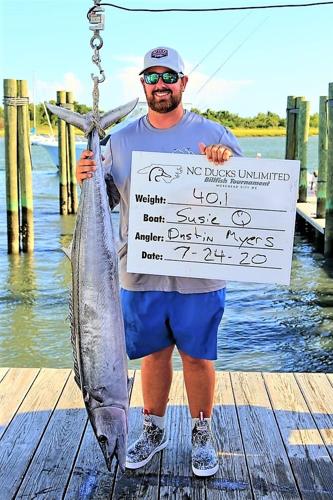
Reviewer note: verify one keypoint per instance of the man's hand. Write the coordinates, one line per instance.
(216, 153)
(85, 167)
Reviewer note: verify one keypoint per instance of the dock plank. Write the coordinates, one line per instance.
(3, 372)
(318, 393)
(90, 477)
(269, 467)
(144, 482)
(22, 437)
(310, 461)
(13, 390)
(232, 481)
(52, 463)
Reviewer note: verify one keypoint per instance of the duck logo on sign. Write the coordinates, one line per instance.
(162, 173)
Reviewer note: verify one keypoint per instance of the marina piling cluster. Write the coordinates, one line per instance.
(297, 133)
(68, 198)
(19, 193)
(19, 196)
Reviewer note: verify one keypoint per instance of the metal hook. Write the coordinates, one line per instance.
(99, 39)
(100, 79)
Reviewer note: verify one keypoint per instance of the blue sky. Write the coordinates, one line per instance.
(287, 51)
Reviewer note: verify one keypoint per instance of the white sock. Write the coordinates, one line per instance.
(159, 421)
(195, 420)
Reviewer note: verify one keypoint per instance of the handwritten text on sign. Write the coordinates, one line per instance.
(189, 217)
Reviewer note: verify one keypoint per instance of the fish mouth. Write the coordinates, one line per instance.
(110, 427)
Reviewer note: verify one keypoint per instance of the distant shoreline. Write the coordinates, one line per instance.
(239, 132)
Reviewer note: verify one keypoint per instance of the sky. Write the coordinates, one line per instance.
(262, 56)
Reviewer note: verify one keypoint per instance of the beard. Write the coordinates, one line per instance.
(165, 105)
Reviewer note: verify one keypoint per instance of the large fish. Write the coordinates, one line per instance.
(100, 362)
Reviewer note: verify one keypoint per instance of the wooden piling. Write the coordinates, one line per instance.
(63, 201)
(12, 193)
(322, 158)
(25, 170)
(68, 172)
(72, 187)
(302, 145)
(291, 128)
(328, 246)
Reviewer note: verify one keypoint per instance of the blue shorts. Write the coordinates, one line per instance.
(156, 320)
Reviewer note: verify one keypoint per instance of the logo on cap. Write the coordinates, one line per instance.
(157, 53)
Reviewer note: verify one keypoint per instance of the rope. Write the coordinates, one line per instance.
(15, 101)
(95, 119)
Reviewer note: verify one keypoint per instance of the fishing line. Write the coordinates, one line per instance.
(229, 57)
(218, 43)
(218, 9)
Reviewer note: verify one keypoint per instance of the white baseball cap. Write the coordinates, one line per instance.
(163, 56)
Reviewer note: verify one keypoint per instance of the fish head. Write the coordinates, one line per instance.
(110, 427)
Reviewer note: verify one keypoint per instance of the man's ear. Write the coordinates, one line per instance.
(184, 82)
(142, 81)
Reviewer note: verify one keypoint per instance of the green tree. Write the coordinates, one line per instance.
(314, 120)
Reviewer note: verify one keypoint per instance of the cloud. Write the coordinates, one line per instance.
(218, 93)
(45, 91)
(125, 84)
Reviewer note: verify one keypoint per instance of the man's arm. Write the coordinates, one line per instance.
(85, 168)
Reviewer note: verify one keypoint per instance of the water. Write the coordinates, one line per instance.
(265, 327)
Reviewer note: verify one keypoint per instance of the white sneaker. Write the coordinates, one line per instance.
(151, 441)
(204, 458)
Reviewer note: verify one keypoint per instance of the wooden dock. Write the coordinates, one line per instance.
(274, 435)
(308, 212)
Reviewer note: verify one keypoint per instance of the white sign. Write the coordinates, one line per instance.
(189, 217)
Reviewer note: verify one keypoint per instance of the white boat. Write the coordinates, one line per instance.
(50, 144)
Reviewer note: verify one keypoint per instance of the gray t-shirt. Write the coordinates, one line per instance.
(184, 137)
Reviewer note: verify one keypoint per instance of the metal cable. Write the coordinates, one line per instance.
(218, 9)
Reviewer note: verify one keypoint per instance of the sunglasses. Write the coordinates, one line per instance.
(167, 77)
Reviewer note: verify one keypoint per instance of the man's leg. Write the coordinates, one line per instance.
(156, 376)
(199, 376)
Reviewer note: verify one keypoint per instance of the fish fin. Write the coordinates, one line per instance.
(68, 250)
(69, 116)
(130, 382)
(116, 114)
(77, 377)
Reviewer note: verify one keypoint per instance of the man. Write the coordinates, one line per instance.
(162, 311)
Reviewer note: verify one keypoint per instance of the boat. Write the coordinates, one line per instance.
(50, 144)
